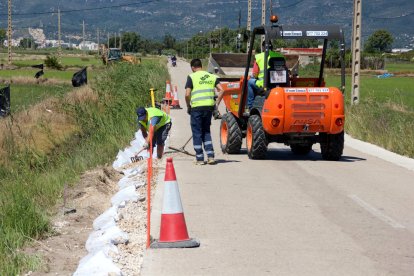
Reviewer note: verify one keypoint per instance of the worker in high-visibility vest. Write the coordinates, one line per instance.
(201, 105)
(255, 83)
(161, 123)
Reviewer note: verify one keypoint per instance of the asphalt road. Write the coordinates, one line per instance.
(287, 215)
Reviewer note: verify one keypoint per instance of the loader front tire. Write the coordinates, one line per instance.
(256, 142)
(230, 134)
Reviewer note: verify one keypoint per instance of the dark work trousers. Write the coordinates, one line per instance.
(200, 126)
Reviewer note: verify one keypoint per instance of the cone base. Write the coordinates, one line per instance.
(191, 243)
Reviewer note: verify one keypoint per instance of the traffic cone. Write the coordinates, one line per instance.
(175, 102)
(173, 230)
(167, 97)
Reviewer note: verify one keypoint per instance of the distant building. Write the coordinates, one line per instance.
(88, 46)
(401, 50)
(52, 43)
(66, 45)
(14, 42)
(306, 55)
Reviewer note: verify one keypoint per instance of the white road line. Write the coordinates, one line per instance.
(375, 212)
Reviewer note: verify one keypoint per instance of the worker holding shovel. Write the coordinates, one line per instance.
(161, 123)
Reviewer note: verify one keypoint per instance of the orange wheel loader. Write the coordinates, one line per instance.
(296, 111)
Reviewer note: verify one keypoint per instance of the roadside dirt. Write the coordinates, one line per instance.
(62, 251)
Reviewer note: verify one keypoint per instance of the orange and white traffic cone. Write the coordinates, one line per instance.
(168, 92)
(175, 102)
(173, 230)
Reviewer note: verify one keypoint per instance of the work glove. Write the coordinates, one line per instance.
(216, 114)
(189, 110)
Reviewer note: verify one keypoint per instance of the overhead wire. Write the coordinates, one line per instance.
(84, 9)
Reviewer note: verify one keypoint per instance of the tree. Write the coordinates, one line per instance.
(169, 41)
(3, 35)
(27, 43)
(379, 42)
(305, 43)
(130, 42)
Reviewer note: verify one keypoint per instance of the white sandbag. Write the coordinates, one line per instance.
(122, 159)
(126, 182)
(102, 238)
(107, 219)
(127, 194)
(139, 184)
(97, 264)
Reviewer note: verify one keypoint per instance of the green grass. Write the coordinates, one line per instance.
(49, 73)
(400, 67)
(31, 184)
(65, 61)
(23, 96)
(385, 113)
(398, 90)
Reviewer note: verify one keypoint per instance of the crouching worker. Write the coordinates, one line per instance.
(161, 122)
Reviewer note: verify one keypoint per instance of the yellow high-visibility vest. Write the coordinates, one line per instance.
(202, 93)
(155, 112)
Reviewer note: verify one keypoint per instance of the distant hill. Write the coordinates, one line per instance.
(183, 18)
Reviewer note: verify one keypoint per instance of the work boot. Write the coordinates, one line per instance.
(211, 161)
(200, 162)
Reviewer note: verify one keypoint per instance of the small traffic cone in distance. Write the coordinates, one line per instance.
(168, 93)
(173, 230)
(176, 102)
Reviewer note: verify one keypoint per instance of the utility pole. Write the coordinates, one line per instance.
(83, 32)
(9, 31)
(115, 40)
(263, 16)
(249, 21)
(356, 51)
(97, 36)
(59, 36)
(120, 41)
(108, 40)
(220, 34)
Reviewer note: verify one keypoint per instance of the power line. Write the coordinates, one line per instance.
(393, 17)
(291, 5)
(85, 9)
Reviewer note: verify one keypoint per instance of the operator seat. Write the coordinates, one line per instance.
(277, 73)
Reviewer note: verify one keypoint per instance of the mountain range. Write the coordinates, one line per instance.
(184, 18)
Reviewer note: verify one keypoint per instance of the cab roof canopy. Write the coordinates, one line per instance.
(330, 32)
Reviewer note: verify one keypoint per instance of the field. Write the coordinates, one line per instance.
(398, 90)
(24, 95)
(29, 73)
(400, 67)
(385, 113)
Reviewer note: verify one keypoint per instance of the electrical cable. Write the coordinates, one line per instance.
(393, 17)
(85, 9)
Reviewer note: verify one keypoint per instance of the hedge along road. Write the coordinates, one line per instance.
(287, 215)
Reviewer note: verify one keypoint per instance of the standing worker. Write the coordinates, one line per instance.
(199, 96)
(256, 82)
(161, 122)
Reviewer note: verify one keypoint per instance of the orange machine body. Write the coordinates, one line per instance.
(295, 109)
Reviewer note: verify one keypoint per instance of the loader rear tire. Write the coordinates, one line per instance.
(230, 134)
(256, 142)
(332, 146)
(301, 149)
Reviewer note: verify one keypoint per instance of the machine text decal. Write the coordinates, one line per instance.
(316, 33)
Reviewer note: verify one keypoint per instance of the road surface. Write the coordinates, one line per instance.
(287, 215)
